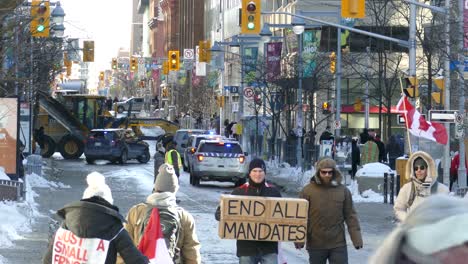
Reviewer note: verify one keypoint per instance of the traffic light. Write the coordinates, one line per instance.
(333, 62)
(412, 89)
(204, 53)
(353, 8)
(115, 64)
(88, 51)
(250, 18)
(438, 96)
(40, 18)
(173, 60)
(133, 64)
(165, 92)
(101, 76)
(165, 67)
(326, 108)
(357, 105)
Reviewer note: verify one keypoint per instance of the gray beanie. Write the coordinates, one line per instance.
(166, 181)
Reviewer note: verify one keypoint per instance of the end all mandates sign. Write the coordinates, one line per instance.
(263, 219)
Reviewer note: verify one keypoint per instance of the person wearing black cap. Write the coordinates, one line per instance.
(253, 252)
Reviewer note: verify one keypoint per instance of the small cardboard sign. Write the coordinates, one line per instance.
(263, 218)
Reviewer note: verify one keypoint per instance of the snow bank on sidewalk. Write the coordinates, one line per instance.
(18, 217)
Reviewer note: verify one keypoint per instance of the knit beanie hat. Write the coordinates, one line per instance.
(257, 163)
(166, 180)
(326, 163)
(97, 187)
(420, 162)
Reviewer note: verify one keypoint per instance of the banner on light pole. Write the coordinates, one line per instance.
(273, 60)
(311, 44)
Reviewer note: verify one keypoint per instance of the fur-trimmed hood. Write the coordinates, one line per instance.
(431, 168)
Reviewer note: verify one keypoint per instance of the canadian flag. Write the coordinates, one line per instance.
(152, 244)
(417, 124)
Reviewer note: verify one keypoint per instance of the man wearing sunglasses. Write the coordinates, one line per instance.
(330, 206)
(423, 182)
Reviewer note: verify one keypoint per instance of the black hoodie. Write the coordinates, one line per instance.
(97, 218)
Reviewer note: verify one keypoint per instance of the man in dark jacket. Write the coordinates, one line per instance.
(248, 251)
(330, 206)
(92, 226)
(381, 146)
(355, 157)
(393, 150)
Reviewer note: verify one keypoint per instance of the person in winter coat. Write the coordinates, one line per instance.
(369, 152)
(454, 168)
(381, 147)
(423, 182)
(434, 232)
(173, 158)
(330, 206)
(364, 136)
(355, 157)
(96, 222)
(163, 196)
(393, 150)
(254, 252)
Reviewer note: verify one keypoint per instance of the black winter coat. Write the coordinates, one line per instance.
(250, 247)
(97, 218)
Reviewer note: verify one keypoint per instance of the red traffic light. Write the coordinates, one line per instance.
(173, 55)
(41, 9)
(251, 7)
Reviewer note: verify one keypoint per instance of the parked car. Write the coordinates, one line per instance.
(137, 104)
(115, 145)
(192, 145)
(219, 160)
(181, 138)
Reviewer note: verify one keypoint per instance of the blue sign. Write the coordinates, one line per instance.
(232, 89)
(454, 65)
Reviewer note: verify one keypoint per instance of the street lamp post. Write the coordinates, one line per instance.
(298, 28)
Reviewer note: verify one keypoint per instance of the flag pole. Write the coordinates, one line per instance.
(406, 118)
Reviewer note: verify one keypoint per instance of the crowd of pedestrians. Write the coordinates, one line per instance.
(431, 228)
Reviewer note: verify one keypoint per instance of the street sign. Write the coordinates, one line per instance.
(454, 65)
(188, 54)
(249, 92)
(337, 124)
(443, 116)
(401, 119)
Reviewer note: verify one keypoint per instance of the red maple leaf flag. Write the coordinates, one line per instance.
(418, 125)
(152, 244)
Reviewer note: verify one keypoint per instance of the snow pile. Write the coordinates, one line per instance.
(367, 196)
(154, 131)
(19, 216)
(37, 181)
(291, 178)
(374, 170)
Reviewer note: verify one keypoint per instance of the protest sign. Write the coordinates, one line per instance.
(71, 249)
(263, 218)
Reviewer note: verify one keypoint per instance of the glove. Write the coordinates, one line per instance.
(358, 247)
(299, 245)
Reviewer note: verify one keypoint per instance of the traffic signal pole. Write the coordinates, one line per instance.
(461, 87)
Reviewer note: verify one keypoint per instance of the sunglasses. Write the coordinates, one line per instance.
(326, 172)
(419, 168)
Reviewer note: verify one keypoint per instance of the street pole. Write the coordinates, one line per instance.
(241, 96)
(31, 114)
(412, 41)
(461, 88)
(366, 109)
(299, 104)
(338, 86)
(446, 95)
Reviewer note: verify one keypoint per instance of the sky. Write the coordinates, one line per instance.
(107, 22)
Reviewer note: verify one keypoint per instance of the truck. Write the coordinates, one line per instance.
(67, 120)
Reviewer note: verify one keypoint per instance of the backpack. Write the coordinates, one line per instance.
(413, 192)
(170, 224)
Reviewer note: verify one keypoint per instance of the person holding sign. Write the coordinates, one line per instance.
(249, 251)
(330, 206)
(92, 230)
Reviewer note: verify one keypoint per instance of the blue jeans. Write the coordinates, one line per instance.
(263, 259)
